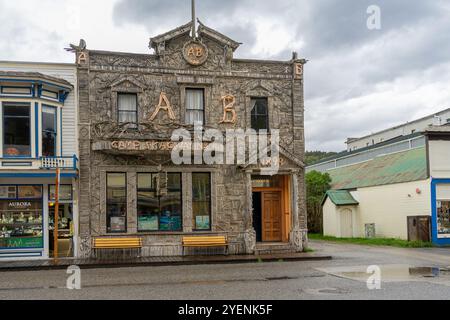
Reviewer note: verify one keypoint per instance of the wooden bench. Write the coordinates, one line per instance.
(117, 243)
(205, 242)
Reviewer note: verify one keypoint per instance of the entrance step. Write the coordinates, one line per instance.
(274, 248)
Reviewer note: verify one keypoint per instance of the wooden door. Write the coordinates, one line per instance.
(346, 223)
(419, 228)
(272, 217)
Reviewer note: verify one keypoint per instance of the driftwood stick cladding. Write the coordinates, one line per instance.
(160, 82)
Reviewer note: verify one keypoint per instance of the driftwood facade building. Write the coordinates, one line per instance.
(129, 106)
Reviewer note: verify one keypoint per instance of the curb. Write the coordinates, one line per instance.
(137, 264)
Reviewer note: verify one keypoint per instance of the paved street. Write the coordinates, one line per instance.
(342, 278)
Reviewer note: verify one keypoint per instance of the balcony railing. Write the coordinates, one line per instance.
(68, 163)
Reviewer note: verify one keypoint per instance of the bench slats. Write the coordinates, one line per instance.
(219, 241)
(117, 243)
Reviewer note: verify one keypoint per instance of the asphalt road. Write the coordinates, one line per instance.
(343, 278)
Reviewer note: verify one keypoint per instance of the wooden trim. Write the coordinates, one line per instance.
(286, 205)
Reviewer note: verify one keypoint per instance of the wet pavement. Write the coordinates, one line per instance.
(405, 274)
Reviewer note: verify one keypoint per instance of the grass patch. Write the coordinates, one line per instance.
(374, 242)
(308, 250)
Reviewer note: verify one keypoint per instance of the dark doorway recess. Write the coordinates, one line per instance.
(257, 217)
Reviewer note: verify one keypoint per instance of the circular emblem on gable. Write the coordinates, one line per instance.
(195, 53)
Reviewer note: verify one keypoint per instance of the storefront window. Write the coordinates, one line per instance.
(201, 200)
(65, 193)
(159, 202)
(16, 130)
(21, 219)
(49, 131)
(148, 205)
(443, 216)
(116, 202)
(65, 221)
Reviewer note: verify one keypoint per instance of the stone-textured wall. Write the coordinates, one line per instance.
(103, 75)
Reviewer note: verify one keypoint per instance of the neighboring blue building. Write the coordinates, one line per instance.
(38, 130)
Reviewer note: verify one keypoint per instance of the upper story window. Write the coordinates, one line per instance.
(16, 130)
(49, 125)
(127, 108)
(260, 114)
(195, 107)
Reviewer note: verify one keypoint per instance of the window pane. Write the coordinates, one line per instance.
(116, 207)
(259, 115)
(148, 211)
(127, 108)
(127, 102)
(170, 219)
(49, 119)
(17, 134)
(146, 181)
(159, 213)
(171, 206)
(174, 181)
(195, 106)
(8, 192)
(48, 131)
(201, 200)
(29, 192)
(443, 218)
(65, 193)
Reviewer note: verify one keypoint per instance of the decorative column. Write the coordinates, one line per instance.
(250, 233)
(299, 233)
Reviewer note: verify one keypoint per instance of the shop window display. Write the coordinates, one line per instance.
(65, 220)
(201, 200)
(443, 216)
(159, 202)
(21, 217)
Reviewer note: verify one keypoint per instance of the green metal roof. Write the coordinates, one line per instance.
(394, 168)
(341, 198)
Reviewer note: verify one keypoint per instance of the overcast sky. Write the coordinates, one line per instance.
(357, 80)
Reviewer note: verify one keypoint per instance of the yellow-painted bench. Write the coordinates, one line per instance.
(117, 243)
(205, 242)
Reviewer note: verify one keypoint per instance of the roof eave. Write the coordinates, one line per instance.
(177, 32)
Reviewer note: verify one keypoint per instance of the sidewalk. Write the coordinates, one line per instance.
(154, 261)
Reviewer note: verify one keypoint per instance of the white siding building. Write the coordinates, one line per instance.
(394, 189)
(409, 128)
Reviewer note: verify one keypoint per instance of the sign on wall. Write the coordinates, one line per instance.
(195, 53)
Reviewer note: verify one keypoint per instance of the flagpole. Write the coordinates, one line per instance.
(194, 29)
(56, 218)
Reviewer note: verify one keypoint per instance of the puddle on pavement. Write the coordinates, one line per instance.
(391, 273)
